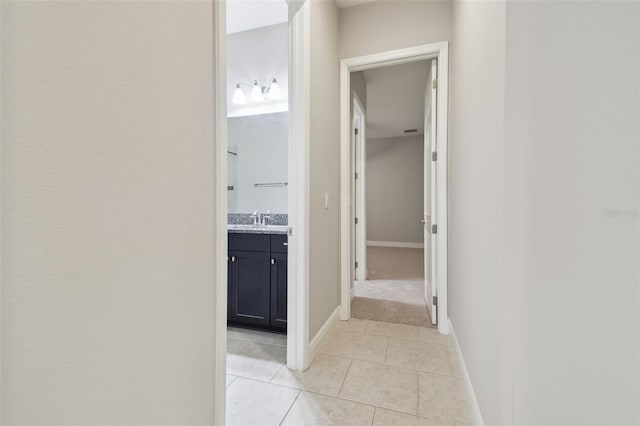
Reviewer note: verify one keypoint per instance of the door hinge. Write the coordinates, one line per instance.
(356, 220)
(356, 130)
(434, 229)
(434, 156)
(435, 300)
(356, 175)
(356, 263)
(435, 83)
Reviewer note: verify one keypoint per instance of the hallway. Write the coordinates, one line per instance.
(394, 290)
(367, 373)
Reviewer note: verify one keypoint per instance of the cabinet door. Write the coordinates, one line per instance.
(279, 290)
(249, 287)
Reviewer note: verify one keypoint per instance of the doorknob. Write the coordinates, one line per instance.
(422, 221)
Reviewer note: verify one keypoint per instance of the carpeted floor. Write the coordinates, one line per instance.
(394, 291)
(385, 310)
(392, 263)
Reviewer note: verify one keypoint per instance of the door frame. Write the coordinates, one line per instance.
(299, 182)
(439, 51)
(360, 162)
(220, 262)
(298, 168)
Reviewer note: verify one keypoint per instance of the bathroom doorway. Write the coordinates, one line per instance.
(261, 320)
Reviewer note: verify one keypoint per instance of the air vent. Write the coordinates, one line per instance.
(410, 130)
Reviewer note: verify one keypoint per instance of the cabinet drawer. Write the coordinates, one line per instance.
(279, 244)
(249, 242)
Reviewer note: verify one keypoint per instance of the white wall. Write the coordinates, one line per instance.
(387, 25)
(325, 164)
(258, 54)
(572, 195)
(260, 142)
(107, 213)
(476, 144)
(395, 177)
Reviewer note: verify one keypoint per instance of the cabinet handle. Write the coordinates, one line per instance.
(273, 261)
(233, 258)
(285, 244)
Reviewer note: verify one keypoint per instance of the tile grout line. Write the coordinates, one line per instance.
(255, 342)
(345, 378)
(386, 351)
(417, 393)
(289, 409)
(232, 380)
(276, 373)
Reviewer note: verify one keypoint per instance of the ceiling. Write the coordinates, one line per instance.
(350, 3)
(395, 99)
(243, 15)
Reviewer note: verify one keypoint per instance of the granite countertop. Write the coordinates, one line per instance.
(257, 229)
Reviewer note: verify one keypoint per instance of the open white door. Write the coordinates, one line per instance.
(359, 189)
(430, 292)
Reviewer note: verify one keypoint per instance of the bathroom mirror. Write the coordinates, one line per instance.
(257, 163)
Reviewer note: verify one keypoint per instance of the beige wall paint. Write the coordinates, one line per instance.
(324, 229)
(395, 177)
(572, 198)
(388, 25)
(359, 86)
(107, 213)
(557, 242)
(476, 143)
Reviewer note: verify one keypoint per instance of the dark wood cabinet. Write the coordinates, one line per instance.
(279, 290)
(257, 281)
(249, 287)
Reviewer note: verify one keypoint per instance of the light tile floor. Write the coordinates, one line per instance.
(367, 373)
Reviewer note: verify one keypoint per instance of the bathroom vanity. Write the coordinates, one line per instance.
(257, 243)
(257, 276)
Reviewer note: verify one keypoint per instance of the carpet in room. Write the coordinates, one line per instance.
(389, 311)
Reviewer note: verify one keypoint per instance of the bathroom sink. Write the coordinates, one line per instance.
(257, 229)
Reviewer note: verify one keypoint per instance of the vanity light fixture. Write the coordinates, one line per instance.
(238, 96)
(258, 93)
(273, 91)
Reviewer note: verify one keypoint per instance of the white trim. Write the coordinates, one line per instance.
(395, 244)
(220, 96)
(298, 169)
(360, 211)
(353, 291)
(442, 206)
(345, 193)
(322, 334)
(471, 395)
(429, 51)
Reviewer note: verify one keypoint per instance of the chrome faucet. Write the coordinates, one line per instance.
(265, 216)
(260, 218)
(257, 217)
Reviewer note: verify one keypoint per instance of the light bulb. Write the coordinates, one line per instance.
(274, 90)
(256, 92)
(238, 96)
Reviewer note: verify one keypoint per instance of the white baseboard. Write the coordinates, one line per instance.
(476, 415)
(394, 244)
(322, 334)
